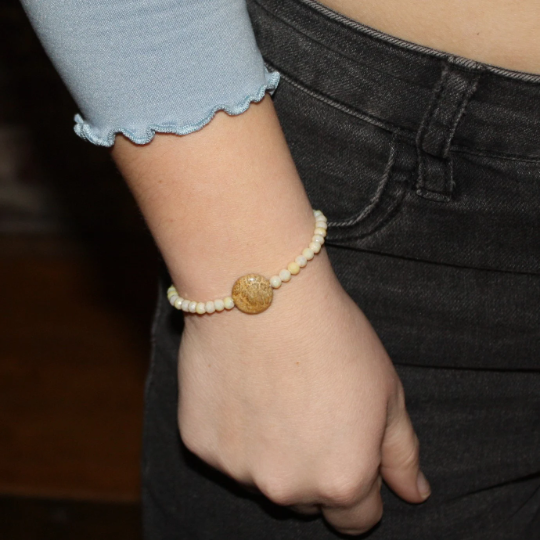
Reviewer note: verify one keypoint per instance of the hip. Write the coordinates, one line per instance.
(428, 168)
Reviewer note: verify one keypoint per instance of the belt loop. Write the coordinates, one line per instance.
(458, 82)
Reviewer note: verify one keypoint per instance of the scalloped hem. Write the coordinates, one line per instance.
(87, 132)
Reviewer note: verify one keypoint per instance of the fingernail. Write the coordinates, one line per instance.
(423, 485)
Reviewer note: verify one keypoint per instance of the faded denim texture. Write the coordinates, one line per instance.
(428, 168)
(145, 66)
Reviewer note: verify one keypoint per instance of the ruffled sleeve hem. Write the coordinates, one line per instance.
(106, 136)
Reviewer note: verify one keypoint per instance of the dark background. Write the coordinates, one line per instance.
(77, 287)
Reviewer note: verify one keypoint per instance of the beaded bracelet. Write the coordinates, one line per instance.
(253, 293)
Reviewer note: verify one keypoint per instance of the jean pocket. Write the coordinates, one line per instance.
(354, 170)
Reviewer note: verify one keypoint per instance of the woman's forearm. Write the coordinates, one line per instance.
(221, 202)
(301, 402)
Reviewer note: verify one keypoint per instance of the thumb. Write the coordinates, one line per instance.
(400, 464)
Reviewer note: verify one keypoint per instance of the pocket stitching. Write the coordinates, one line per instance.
(365, 212)
(395, 199)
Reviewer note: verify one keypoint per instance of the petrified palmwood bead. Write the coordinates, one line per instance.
(252, 293)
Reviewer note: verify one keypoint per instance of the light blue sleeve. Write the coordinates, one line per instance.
(139, 67)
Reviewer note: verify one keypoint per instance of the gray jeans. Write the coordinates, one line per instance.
(428, 168)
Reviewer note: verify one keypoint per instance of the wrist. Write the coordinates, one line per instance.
(305, 294)
(267, 249)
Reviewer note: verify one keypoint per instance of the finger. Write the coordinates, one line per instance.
(359, 516)
(400, 464)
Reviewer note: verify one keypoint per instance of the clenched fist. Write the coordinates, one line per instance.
(301, 403)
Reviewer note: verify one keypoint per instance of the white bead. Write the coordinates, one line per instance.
(178, 303)
(228, 302)
(200, 309)
(293, 268)
(284, 275)
(192, 307)
(321, 217)
(318, 238)
(315, 247)
(308, 254)
(321, 225)
(171, 293)
(219, 305)
(210, 307)
(321, 232)
(275, 281)
(317, 213)
(185, 305)
(173, 298)
(301, 261)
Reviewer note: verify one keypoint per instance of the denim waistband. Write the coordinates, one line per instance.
(442, 101)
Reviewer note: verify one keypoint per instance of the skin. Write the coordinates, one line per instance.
(300, 402)
(504, 33)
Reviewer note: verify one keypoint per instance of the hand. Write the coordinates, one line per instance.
(300, 402)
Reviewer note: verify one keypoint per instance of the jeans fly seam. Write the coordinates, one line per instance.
(424, 128)
(434, 107)
(460, 109)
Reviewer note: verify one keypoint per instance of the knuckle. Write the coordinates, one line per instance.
(278, 490)
(194, 444)
(368, 522)
(218, 460)
(373, 519)
(377, 516)
(195, 440)
(212, 451)
(341, 491)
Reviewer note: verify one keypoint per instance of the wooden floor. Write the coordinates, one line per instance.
(77, 287)
(74, 347)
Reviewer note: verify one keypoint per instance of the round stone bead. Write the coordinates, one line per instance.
(320, 231)
(275, 281)
(252, 293)
(210, 307)
(219, 305)
(178, 303)
(228, 302)
(308, 254)
(285, 275)
(185, 305)
(192, 307)
(318, 238)
(301, 261)
(317, 213)
(321, 225)
(173, 298)
(293, 268)
(315, 247)
(200, 309)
